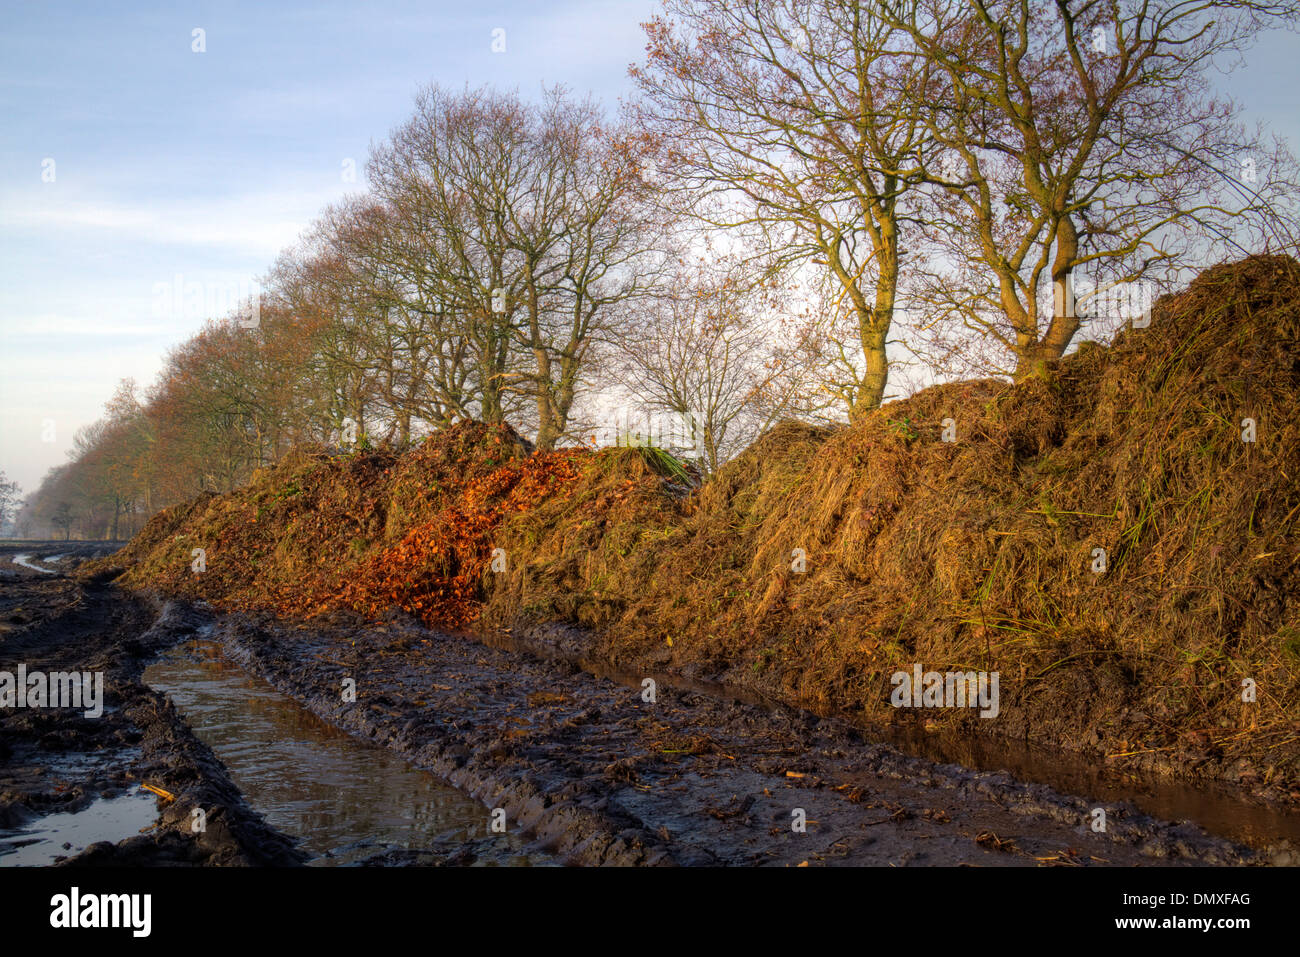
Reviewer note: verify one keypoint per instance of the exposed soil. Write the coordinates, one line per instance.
(56, 759)
(601, 776)
(583, 766)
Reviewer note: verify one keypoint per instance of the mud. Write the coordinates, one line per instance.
(348, 802)
(56, 760)
(583, 766)
(601, 776)
(1259, 817)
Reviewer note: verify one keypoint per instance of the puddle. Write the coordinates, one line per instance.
(346, 800)
(22, 560)
(1213, 807)
(65, 833)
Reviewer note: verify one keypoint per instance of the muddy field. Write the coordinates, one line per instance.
(59, 761)
(581, 767)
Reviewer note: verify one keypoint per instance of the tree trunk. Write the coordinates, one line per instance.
(873, 330)
(1035, 356)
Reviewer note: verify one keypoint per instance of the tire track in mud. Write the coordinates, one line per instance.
(594, 773)
(580, 763)
(56, 624)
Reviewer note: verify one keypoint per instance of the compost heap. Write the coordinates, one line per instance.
(821, 561)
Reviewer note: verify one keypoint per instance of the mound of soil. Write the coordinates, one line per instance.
(1116, 541)
(366, 529)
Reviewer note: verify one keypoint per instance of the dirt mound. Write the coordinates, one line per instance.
(371, 530)
(819, 563)
(1117, 542)
(584, 554)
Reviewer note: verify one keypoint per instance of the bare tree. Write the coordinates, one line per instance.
(589, 244)
(1082, 137)
(801, 119)
(62, 517)
(448, 175)
(710, 354)
(391, 357)
(519, 225)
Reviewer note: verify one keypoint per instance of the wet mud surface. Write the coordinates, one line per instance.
(58, 761)
(583, 767)
(600, 775)
(1249, 816)
(347, 801)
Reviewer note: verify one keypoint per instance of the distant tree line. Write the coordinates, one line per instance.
(808, 201)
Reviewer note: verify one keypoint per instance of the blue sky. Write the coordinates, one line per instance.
(204, 165)
(170, 163)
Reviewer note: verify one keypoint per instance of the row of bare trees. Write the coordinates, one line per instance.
(966, 162)
(497, 245)
(806, 196)
(508, 262)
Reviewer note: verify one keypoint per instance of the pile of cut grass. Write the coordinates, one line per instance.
(821, 561)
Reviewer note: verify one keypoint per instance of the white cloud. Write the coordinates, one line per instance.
(254, 224)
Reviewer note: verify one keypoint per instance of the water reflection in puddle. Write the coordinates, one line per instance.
(345, 799)
(23, 561)
(65, 833)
